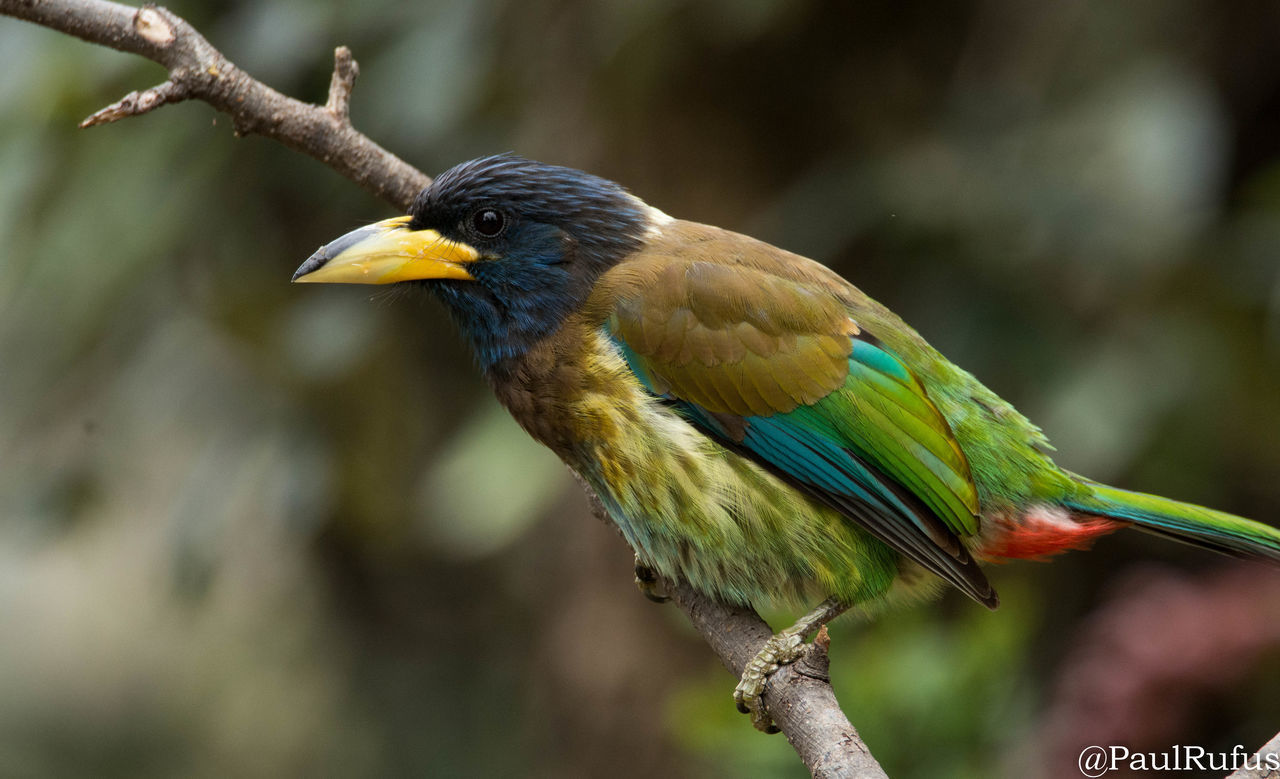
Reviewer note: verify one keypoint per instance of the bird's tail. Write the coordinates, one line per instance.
(1196, 525)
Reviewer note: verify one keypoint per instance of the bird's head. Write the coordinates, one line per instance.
(510, 245)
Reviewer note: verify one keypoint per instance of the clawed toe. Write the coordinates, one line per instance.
(785, 647)
(780, 650)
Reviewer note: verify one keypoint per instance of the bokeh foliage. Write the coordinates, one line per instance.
(252, 529)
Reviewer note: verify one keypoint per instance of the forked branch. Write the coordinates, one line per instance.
(799, 697)
(199, 71)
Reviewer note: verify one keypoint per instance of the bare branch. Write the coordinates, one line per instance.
(136, 103)
(345, 71)
(199, 71)
(799, 696)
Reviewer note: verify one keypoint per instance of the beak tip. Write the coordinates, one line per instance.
(314, 263)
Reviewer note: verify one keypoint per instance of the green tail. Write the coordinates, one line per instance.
(1196, 525)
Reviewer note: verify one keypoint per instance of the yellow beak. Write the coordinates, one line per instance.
(386, 252)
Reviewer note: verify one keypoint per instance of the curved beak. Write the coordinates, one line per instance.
(386, 252)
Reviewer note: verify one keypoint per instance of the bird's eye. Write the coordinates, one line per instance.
(488, 222)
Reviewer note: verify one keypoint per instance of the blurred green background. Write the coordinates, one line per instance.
(250, 529)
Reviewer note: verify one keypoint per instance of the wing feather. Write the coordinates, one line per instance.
(772, 363)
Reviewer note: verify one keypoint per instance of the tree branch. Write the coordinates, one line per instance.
(799, 696)
(199, 71)
(345, 71)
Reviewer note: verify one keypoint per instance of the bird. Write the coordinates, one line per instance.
(755, 425)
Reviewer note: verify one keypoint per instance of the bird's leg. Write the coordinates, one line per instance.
(646, 582)
(786, 647)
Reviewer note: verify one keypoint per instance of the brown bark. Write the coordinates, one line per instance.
(199, 71)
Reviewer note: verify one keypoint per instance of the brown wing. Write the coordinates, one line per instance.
(757, 346)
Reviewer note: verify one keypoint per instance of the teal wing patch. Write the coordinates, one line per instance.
(813, 398)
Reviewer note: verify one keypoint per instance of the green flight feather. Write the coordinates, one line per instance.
(1184, 522)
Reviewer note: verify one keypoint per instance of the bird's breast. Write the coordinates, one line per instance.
(575, 394)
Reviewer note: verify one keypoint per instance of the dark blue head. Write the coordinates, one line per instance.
(510, 245)
(544, 234)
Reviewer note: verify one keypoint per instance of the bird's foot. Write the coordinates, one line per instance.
(784, 648)
(647, 583)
